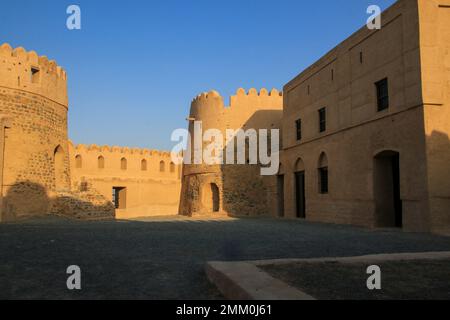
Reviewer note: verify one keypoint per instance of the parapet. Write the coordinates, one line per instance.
(26, 71)
(241, 94)
(83, 149)
(257, 100)
(205, 96)
(209, 107)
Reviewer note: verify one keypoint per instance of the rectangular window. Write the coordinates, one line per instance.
(361, 57)
(35, 75)
(323, 180)
(298, 128)
(322, 120)
(382, 94)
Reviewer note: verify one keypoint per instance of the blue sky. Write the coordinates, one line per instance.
(135, 65)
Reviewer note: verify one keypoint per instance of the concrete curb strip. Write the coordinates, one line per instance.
(245, 281)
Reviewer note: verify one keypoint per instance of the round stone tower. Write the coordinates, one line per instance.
(33, 134)
(229, 188)
(200, 180)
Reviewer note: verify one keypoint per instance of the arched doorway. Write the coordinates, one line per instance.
(211, 198)
(215, 197)
(300, 199)
(60, 172)
(387, 196)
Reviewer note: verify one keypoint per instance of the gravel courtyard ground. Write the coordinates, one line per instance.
(401, 280)
(164, 258)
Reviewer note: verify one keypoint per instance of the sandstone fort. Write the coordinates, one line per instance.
(364, 140)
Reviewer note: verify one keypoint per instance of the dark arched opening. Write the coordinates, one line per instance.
(386, 186)
(215, 197)
(60, 172)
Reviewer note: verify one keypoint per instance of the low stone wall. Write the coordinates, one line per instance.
(83, 205)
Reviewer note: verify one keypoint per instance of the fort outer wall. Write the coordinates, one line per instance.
(238, 190)
(35, 171)
(148, 183)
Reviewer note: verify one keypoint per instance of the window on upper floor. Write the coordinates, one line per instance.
(298, 129)
(382, 94)
(322, 120)
(101, 162)
(123, 164)
(78, 162)
(162, 166)
(144, 165)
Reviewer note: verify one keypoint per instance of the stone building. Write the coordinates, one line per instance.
(231, 189)
(139, 182)
(366, 128)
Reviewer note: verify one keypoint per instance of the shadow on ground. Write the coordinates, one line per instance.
(163, 258)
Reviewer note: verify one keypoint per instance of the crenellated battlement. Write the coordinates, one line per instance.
(257, 100)
(83, 149)
(110, 163)
(209, 107)
(27, 71)
(207, 96)
(262, 93)
(241, 92)
(21, 56)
